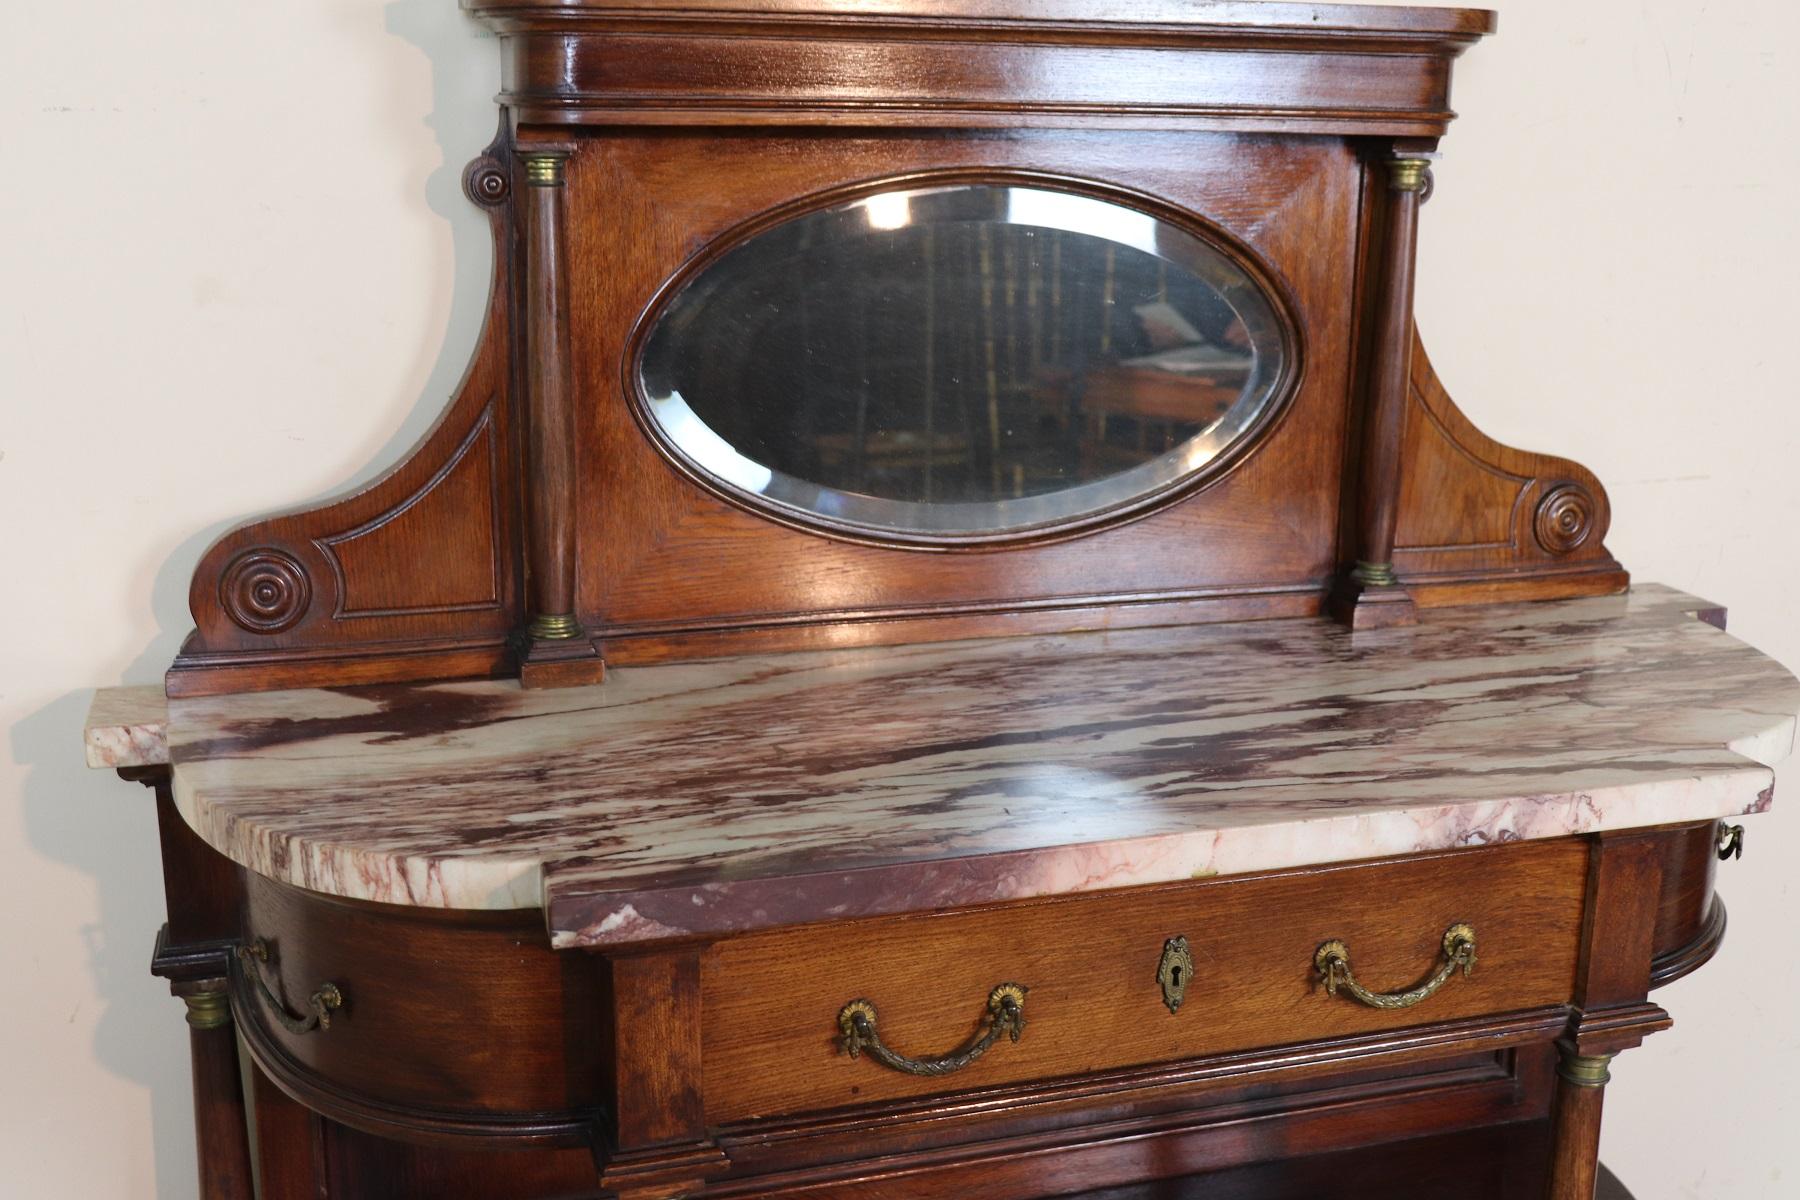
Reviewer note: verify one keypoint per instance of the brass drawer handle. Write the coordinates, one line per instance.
(1333, 963)
(1006, 1014)
(323, 1002)
(1731, 842)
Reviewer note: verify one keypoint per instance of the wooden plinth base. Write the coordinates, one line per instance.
(1366, 606)
(559, 663)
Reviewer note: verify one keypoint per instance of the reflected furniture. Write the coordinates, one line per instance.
(950, 642)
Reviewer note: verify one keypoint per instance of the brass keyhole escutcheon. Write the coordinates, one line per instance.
(1174, 971)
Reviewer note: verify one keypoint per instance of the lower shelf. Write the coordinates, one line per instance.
(1499, 1164)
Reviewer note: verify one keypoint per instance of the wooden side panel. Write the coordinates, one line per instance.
(413, 577)
(1480, 521)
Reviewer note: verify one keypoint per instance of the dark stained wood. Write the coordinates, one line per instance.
(469, 1059)
(550, 449)
(1434, 1168)
(289, 1143)
(272, 601)
(1334, 69)
(693, 125)
(1619, 931)
(1575, 1144)
(1468, 530)
(361, 1166)
(1689, 864)
(221, 1132)
(456, 1027)
(1367, 596)
(205, 889)
(1090, 962)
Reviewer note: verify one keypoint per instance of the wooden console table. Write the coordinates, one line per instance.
(634, 917)
(950, 643)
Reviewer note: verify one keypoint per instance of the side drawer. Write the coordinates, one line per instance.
(771, 1038)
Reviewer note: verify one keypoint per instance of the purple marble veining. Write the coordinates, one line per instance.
(738, 794)
(128, 727)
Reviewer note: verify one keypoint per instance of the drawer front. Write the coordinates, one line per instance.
(771, 1036)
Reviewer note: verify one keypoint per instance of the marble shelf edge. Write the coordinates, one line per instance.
(127, 727)
(582, 909)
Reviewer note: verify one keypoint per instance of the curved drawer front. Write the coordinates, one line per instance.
(442, 1012)
(1091, 967)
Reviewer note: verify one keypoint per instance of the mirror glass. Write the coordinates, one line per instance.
(962, 361)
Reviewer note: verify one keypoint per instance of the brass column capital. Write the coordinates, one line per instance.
(1585, 1070)
(208, 1010)
(544, 168)
(1409, 174)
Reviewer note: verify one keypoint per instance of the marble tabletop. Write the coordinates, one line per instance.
(712, 797)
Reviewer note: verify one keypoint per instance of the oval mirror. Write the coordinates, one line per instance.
(962, 361)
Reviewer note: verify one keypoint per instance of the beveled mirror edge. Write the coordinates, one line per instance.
(1262, 274)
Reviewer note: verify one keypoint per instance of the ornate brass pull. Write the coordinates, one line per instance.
(1731, 842)
(1006, 1014)
(322, 1003)
(1333, 963)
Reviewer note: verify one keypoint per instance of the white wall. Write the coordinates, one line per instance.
(236, 271)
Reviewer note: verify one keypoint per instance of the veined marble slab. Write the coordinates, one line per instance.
(128, 727)
(737, 794)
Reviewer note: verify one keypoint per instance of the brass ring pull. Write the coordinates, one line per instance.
(1332, 960)
(1731, 842)
(1006, 1014)
(322, 1003)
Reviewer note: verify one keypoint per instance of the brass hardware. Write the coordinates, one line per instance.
(1375, 574)
(1409, 174)
(554, 627)
(1332, 960)
(1175, 971)
(1585, 1070)
(322, 1003)
(1731, 842)
(1005, 1005)
(545, 169)
(208, 1010)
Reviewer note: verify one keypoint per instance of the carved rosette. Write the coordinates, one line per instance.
(1565, 518)
(265, 591)
(486, 182)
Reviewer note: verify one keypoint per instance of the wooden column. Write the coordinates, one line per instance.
(660, 1149)
(1581, 1080)
(221, 1132)
(556, 651)
(1612, 1012)
(1370, 596)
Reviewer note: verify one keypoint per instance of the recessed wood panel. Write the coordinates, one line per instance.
(395, 564)
(647, 204)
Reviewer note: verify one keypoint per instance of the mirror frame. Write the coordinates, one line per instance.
(1229, 456)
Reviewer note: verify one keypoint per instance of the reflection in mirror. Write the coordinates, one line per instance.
(962, 361)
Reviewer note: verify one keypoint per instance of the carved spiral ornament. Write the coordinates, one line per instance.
(265, 591)
(1565, 518)
(486, 182)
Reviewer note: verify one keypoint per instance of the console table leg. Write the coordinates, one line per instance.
(1575, 1156)
(221, 1133)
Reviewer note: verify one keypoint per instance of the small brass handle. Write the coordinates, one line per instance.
(1332, 960)
(1006, 1014)
(322, 1003)
(1731, 842)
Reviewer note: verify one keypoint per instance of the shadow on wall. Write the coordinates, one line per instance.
(107, 828)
